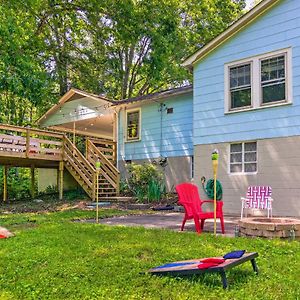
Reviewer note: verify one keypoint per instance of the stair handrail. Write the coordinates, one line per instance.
(97, 141)
(90, 166)
(72, 149)
(106, 165)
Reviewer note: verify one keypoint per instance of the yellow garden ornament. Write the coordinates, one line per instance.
(215, 162)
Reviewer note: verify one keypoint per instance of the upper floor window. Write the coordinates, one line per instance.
(133, 125)
(240, 86)
(273, 79)
(259, 81)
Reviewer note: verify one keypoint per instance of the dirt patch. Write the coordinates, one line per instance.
(34, 206)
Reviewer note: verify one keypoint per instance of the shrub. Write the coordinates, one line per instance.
(156, 189)
(146, 182)
(18, 183)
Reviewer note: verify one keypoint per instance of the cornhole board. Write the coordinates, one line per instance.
(190, 267)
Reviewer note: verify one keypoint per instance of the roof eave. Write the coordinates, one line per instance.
(156, 97)
(229, 32)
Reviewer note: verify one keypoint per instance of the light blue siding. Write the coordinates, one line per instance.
(277, 29)
(173, 138)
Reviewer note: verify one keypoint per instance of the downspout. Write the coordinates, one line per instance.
(161, 109)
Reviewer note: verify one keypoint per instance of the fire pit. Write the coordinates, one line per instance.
(270, 228)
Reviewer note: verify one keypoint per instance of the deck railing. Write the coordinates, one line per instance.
(16, 141)
(107, 148)
(30, 143)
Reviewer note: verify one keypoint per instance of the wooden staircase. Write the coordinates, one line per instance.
(79, 167)
(29, 147)
(84, 171)
(109, 175)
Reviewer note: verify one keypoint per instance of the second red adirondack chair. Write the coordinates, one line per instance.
(189, 198)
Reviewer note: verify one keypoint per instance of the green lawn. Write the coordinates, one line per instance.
(52, 257)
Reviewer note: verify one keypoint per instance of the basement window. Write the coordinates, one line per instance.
(243, 158)
(133, 125)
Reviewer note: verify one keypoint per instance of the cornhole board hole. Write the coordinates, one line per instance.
(190, 267)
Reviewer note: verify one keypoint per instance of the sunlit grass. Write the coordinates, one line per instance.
(53, 257)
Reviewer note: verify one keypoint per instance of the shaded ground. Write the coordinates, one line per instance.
(147, 218)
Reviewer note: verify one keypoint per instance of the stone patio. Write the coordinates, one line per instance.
(170, 220)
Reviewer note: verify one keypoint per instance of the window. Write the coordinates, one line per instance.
(243, 158)
(240, 86)
(258, 82)
(133, 125)
(273, 79)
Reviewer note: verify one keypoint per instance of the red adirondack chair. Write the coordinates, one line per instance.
(189, 198)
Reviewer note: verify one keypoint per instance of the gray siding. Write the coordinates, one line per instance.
(278, 166)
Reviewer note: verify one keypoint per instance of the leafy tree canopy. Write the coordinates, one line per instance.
(118, 48)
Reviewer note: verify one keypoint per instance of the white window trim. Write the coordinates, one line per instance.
(256, 95)
(243, 165)
(140, 122)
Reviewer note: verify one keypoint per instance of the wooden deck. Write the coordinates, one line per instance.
(25, 147)
(35, 148)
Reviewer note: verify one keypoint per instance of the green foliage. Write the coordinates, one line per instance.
(124, 188)
(18, 183)
(156, 189)
(118, 48)
(54, 258)
(25, 84)
(51, 189)
(146, 182)
(75, 194)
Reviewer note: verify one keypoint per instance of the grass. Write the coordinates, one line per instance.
(52, 257)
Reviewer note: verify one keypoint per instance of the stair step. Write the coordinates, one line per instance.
(104, 193)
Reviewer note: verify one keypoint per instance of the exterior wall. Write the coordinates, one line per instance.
(278, 166)
(48, 177)
(174, 139)
(177, 171)
(278, 28)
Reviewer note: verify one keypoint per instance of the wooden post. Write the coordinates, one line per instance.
(94, 186)
(5, 168)
(27, 141)
(74, 136)
(74, 133)
(97, 196)
(32, 188)
(61, 180)
(118, 185)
